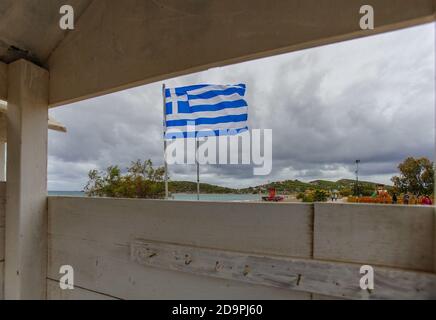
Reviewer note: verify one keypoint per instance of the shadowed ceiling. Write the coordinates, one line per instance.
(29, 29)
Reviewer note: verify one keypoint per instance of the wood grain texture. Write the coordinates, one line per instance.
(95, 237)
(2, 236)
(282, 229)
(2, 245)
(315, 276)
(316, 296)
(2, 287)
(388, 235)
(107, 268)
(2, 203)
(54, 292)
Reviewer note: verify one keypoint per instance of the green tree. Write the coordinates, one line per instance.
(142, 180)
(416, 176)
(320, 195)
(317, 195)
(346, 192)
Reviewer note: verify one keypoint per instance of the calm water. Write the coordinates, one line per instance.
(216, 197)
(67, 193)
(179, 196)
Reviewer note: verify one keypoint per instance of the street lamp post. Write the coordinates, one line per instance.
(356, 187)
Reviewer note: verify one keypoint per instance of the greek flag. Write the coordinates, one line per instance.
(205, 110)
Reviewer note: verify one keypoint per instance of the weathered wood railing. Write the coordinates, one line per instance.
(341, 280)
(130, 249)
(2, 236)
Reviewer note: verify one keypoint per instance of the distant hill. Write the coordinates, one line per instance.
(296, 186)
(191, 187)
(286, 186)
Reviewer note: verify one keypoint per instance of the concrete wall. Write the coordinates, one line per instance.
(94, 236)
(121, 44)
(3, 81)
(2, 235)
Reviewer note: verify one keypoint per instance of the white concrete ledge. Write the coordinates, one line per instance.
(120, 44)
(94, 235)
(3, 81)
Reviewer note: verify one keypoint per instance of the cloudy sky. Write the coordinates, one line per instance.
(370, 99)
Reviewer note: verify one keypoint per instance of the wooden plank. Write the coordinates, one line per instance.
(434, 236)
(282, 229)
(2, 236)
(3, 81)
(107, 268)
(54, 292)
(2, 243)
(2, 220)
(323, 297)
(55, 125)
(2, 203)
(2, 272)
(322, 277)
(389, 235)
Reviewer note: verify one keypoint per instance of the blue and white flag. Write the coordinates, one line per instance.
(204, 110)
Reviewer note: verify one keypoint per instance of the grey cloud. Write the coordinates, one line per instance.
(370, 99)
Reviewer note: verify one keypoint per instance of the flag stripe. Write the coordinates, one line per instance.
(217, 106)
(200, 121)
(208, 114)
(206, 93)
(217, 126)
(205, 133)
(214, 100)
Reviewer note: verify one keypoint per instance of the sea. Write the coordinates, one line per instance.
(181, 196)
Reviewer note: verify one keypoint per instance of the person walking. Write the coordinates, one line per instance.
(394, 198)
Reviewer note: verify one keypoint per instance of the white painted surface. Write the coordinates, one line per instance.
(26, 192)
(93, 235)
(2, 266)
(2, 161)
(121, 44)
(54, 292)
(2, 235)
(3, 81)
(388, 235)
(107, 268)
(280, 229)
(328, 278)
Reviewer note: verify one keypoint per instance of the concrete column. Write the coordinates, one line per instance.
(26, 187)
(2, 161)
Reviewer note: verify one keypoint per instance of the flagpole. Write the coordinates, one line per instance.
(165, 141)
(197, 143)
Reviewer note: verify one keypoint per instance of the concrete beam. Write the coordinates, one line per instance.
(3, 81)
(121, 44)
(26, 188)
